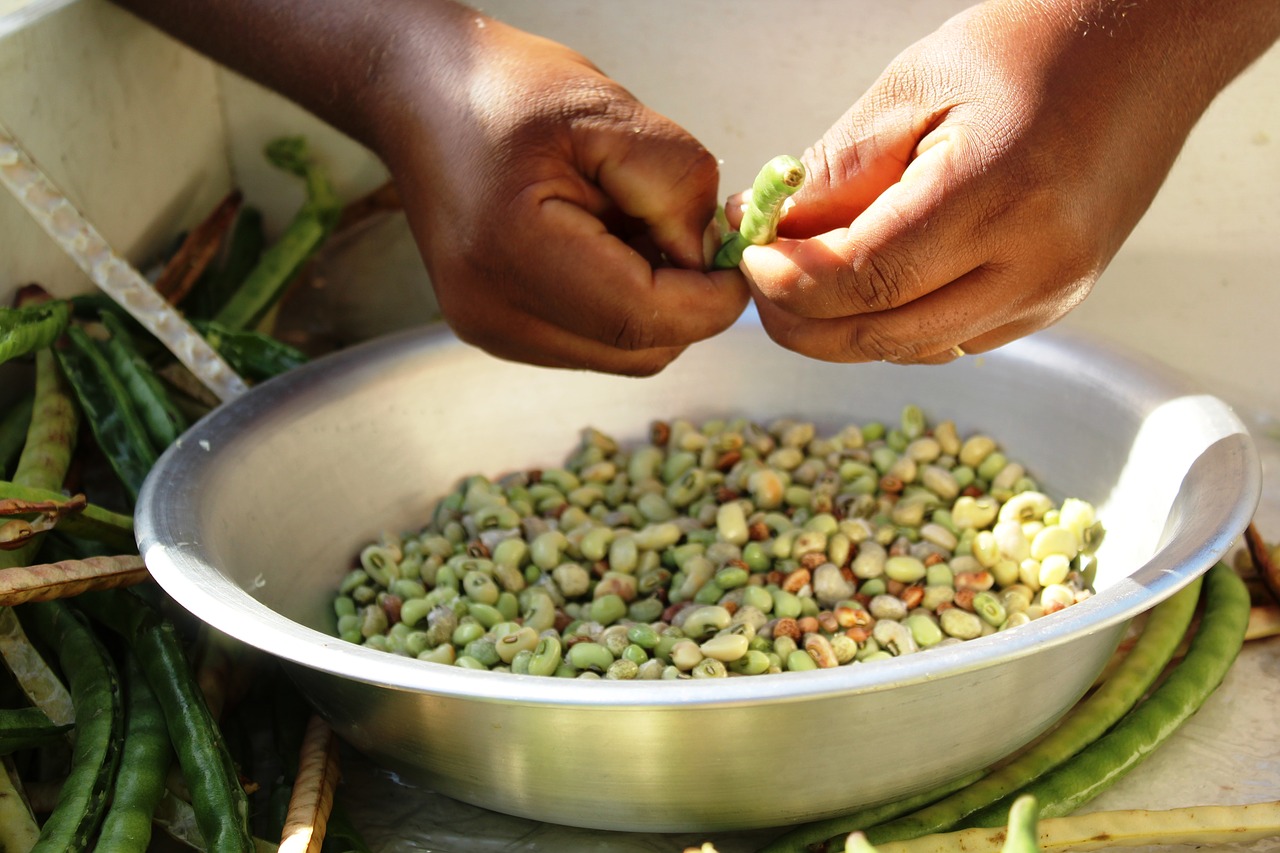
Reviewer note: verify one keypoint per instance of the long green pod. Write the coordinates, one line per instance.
(111, 414)
(51, 435)
(779, 179)
(1213, 649)
(1164, 631)
(809, 836)
(18, 828)
(144, 762)
(95, 693)
(13, 431)
(1200, 827)
(1023, 816)
(308, 230)
(35, 677)
(220, 282)
(253, 355)
(220, 802)
(162, 419)
(94, 522)
(22, 728)
(49, 446)
(31, 328)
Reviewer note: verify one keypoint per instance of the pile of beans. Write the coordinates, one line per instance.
(726, 548)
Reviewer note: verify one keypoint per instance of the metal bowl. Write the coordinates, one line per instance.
(254, 516)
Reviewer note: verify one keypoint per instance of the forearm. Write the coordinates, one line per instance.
(338, 59)
(1186, 51)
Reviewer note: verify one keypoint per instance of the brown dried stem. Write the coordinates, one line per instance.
(198, 250)
(69, 578)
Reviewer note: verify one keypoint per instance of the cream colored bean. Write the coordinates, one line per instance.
(974, 513)
(896, 638)
(1005, 571)
(985, 548)
(903, 568)
(1055, 597)
(948, 438)
(936, 534)
(1055, 540)
(870, 560)
(1011, 540)
(960, 624)
(839, 548)
(830, 586)
(685, 655)
(731, 523)
(809, 542)
(923, 450)
(1008, 477)
(1026, 506)
(1077, 515)
(1029, 573)
(725, 647)
(940, 481)
(819, 648)
(572, 579)
(975, 449)
(1054, 569)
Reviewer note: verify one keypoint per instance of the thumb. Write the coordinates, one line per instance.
(857, 159)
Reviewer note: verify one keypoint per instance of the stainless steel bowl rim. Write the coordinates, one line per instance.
(241, 616)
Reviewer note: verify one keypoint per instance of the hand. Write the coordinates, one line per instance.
(561, 221)
(981, 186)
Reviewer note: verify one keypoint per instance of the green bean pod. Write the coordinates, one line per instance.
(1023, 819)
(144, 763)
(809, 836)
(281, 262)
(50, 443)
(22, 728)
(51, 435)
(220, 802)
(31, 328)
(244, 249)
(777, 181)
(162, 419)
(95, 693)
(1166, 627)
(109, 410)
(1213, 649)
(252, 354)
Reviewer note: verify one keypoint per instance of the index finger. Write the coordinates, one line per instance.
(593, 284)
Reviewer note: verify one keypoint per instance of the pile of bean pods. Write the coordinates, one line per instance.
(726, 548)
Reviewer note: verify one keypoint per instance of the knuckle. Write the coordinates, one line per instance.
(870, 341)
(631, 334)
(877, 281)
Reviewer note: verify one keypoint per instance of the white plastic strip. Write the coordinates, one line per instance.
(115, 276)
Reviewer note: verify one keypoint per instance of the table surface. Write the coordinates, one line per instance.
(1228, 753)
